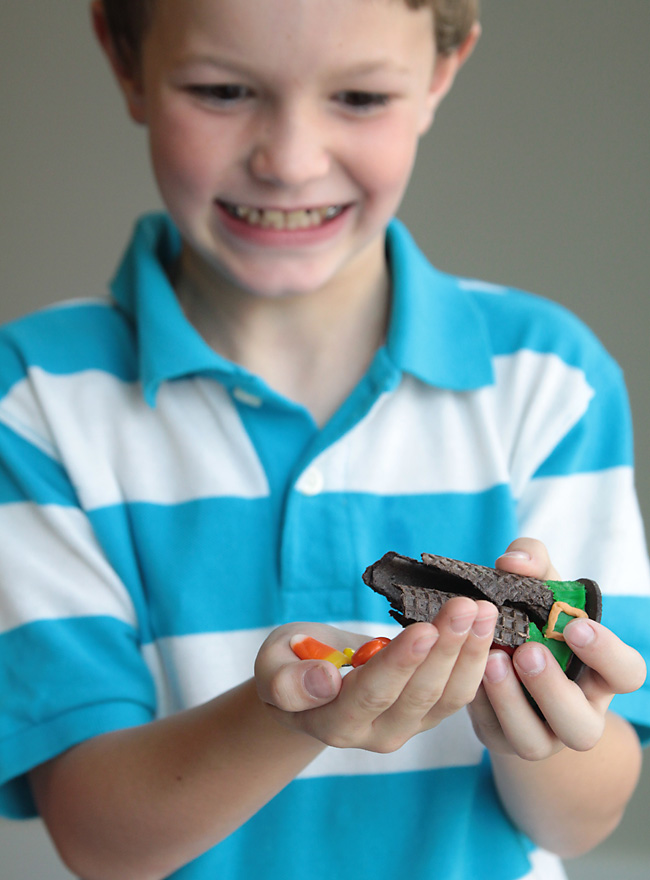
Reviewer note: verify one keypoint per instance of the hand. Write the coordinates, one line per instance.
(574, 712)
(429, 671)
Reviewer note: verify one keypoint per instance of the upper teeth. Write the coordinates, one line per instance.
(275, 219)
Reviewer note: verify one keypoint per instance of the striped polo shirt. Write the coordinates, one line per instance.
(162, 509)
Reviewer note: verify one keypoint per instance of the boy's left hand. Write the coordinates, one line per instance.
(574, 712)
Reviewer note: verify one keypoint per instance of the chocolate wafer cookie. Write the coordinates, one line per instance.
(529, 608)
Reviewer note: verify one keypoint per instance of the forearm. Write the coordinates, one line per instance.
(571, 801)
(140, 803)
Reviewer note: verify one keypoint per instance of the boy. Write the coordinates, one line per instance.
(280, 390)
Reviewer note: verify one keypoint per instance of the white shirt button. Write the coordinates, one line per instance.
(311, 482)
(246, 397)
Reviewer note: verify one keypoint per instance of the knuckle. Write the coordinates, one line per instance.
(371, 703)
(389, 745)
(533, 752)
(455, 703)
(420, 702)
(336, 739)
(283, 694)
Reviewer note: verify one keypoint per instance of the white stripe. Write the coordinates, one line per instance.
(55, 569)
(75, 302)
(189, 670)
(566, 512)
(473, 284)
(484, 438)
(545, 866)
(400, 447)
(117, 449)
(538, 399)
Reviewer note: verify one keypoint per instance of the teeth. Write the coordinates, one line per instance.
(275, 219)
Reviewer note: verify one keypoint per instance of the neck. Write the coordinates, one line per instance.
(312, 348)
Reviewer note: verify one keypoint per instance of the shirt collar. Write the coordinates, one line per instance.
(436, 332)
(169, 347)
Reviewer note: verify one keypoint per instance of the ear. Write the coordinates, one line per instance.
(445, 69)
(127, 73)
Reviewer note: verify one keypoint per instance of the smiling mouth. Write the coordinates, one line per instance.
(273, 218)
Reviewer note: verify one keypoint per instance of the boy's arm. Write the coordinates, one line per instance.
(573, 800)
(141, 802)
(565, 783)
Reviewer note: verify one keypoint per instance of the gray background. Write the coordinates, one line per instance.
(536, 174)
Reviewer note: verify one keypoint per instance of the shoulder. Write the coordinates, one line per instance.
(66, 338)
(517, 321)
(490, 321)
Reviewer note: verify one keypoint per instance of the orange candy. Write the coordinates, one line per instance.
(365, 652)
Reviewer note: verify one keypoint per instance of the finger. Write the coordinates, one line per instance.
(527, 734)
(620, 667)
(528, 557)
(575, 721)
(486, 724)
(450, 675)
(372, 689)
(467, 673)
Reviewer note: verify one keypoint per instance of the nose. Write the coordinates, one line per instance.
(290, 150)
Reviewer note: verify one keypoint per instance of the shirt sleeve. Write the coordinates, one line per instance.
(580, 499)
(71, 664)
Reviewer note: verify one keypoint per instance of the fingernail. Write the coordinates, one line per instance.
(515, 554)
(531, 660)
(462, 623)
(483, 626)
(318, 683)
(496, 667)
(424, 644)
(579, 633)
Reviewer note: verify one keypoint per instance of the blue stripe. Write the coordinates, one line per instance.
(68, 339)
(72, 662)
(213, 564)
(206, 565)
(77, 678)
(393, 824)
(629, 618)
(517, 320)
(27, 474)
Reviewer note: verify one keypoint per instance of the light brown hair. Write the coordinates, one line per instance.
(128, 20)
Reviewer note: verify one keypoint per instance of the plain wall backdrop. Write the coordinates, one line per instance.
(536, 174)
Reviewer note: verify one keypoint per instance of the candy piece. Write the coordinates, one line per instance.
(365, 652)
(308, 648)
(418, 590)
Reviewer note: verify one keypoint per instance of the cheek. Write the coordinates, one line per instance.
(182, 159)
(387, 162)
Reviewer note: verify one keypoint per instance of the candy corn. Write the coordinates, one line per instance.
(308, 648)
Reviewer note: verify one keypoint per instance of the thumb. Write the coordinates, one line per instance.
(303, 684)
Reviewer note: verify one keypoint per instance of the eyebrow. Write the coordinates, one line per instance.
(365, 68)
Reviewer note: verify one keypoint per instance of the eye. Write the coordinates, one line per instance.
(360, 101)
(224, 94)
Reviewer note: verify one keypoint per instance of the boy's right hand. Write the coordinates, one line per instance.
(428, 672)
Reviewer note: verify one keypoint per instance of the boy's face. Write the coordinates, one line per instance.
(283, 133)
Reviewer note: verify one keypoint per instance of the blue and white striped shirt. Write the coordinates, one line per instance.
(162, 510)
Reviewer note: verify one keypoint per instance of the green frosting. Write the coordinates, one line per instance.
(560, 650)
(571, 592)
